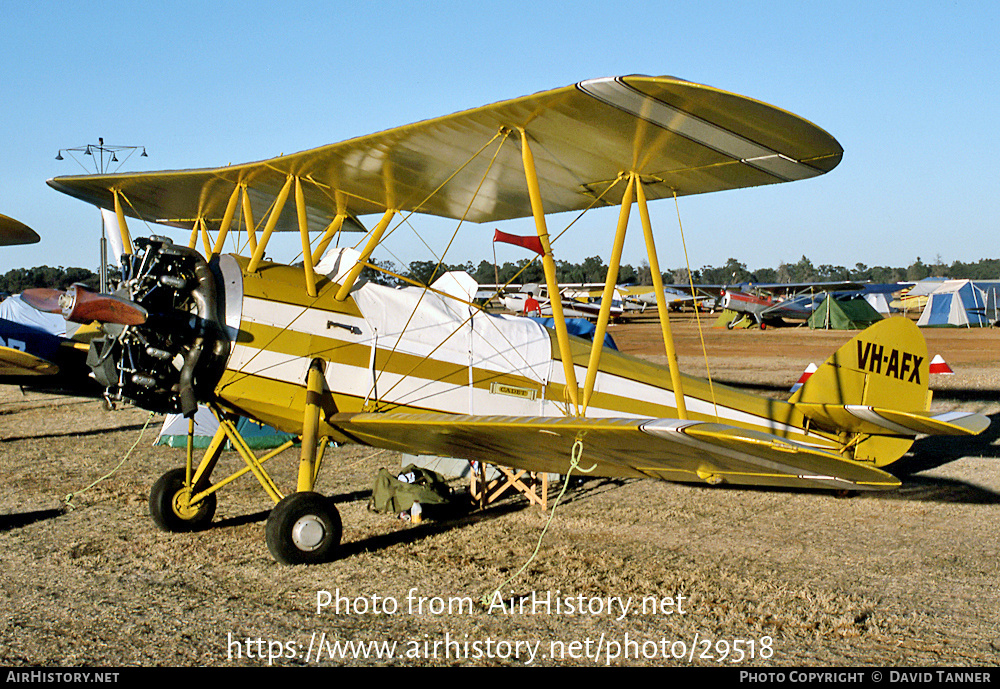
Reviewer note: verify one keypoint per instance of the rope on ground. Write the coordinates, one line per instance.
(68, 499)
(574, 463)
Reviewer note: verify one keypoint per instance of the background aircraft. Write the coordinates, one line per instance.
(14, 232)
(676, 297)
(772, 304)
(578, 301)
(36, 351)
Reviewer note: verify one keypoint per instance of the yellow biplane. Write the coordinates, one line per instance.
(314, 351)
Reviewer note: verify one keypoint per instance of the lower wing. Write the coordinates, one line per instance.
(16, 362)
(687, 451)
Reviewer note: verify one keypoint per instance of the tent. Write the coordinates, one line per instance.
(956, 303)
(845, 313)
(991, 292)
(174, 431)
(879, 302)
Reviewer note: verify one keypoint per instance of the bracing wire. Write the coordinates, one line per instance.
(697, 316)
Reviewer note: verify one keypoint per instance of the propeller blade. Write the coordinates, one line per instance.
(90, 306)
(79, 305)
(43, 299)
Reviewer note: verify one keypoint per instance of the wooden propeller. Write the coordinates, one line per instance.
(80, 305)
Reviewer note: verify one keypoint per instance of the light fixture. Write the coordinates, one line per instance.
(108, 154)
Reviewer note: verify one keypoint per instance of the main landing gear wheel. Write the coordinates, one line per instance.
(171, 507)
(303, 529)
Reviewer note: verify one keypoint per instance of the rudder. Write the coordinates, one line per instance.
(885, 366)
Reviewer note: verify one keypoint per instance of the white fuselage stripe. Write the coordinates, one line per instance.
(458, 399)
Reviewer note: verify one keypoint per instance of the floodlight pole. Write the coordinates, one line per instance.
(101, 165)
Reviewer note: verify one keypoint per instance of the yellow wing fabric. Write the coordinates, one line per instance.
(681, 137)
(16, 232)
(17, 362)
(856, 418)
(661, 448)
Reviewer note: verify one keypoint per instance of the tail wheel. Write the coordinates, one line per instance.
(304, 528)
(171, 507)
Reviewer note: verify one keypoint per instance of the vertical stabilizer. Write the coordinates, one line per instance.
(883, 367)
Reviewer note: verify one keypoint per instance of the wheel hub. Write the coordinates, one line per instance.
(182, 504)
(308, 532)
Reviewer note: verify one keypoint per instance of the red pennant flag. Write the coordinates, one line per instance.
(531, 242)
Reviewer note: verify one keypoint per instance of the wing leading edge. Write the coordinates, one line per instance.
(684, 451)
(680, 137)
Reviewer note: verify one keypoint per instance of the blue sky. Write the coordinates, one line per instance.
(909, 89)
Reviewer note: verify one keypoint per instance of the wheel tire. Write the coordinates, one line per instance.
(303, 529)
(763, 325)
(170, 509)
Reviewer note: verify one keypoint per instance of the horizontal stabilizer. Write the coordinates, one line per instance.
(858, 418)
(669, 449)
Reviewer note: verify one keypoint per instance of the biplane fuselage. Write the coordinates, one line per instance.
(517, 372)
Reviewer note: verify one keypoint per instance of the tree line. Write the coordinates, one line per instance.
(593, 270)
(804, 271)
(20, 279)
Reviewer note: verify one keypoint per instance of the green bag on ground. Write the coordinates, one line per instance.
(390, 495)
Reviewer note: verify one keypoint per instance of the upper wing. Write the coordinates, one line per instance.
(681, 137)
(687, 451)
(15, 232)
(802, 288)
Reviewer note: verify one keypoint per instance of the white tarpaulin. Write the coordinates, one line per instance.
(13, 309)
